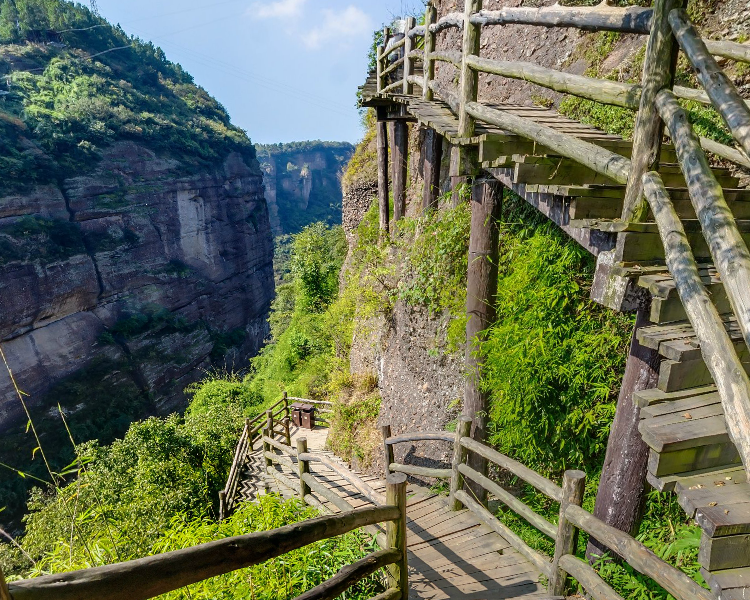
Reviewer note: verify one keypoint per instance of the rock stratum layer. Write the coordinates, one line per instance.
(128, 283)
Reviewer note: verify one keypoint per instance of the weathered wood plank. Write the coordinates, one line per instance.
(720, 521)
(727, 552)
(693, 459)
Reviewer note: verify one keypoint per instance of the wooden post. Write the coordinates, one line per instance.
(222, 505)
(269, 422)
(4, 593)
(408, 61)
(395, 533)
(387, 449)
(383, 195)
(433, 157)
(267, 448)
(429, 47)
(486, 205)
(469, 77)
(303, 466)
(399, 156)
(460, 454)
(622, 486)
(658, 72)
(287, 433)
(379, 66)
(574, 485)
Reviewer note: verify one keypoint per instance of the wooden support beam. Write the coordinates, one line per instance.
(395, 533)
(481, 287)
(303, 467)
(724, 95)
(574, 485)
(659, 69)
(623, 481)
(632, 19)
(731, 50)
(463, 165)
(430, 16)
(379, 65)
(388, 458)
(408, 58)
(433, 157)
(469, 85)
(728, 248)
(383, 193)
(460, 454)
(399, 136)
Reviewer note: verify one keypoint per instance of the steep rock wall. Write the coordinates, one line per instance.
(135, 279)
(303, 183)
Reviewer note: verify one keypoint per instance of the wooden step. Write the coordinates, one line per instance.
(654, 396)
(729, 584)
(695, 498)
(694, 479)
(666, 306)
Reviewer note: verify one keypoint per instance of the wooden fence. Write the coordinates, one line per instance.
(670, 31)
(253, 431)
(155, 575)
(571, 518)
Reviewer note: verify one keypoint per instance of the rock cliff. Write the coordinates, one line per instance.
(158, 275)
(303, 183)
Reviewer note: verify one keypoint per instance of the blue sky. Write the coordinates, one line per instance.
(286, 70)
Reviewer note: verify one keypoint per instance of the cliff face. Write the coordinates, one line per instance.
(128, 283)
(303, 183)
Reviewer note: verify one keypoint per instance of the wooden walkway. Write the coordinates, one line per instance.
(683, 423)
(450, 554)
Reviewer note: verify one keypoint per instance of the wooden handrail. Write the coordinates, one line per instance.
(448, 56)
(393, 67)
(155, 575)
(454, 19)
(361, 486)
(599, 159)
(417, 31)
(638, 556)
(724, 95)
(530, 476)
(510, 501)
(721, 357)
(420, 471)
(632, 19)
(351, 574)
(422, 436)
(588, 578)
(731, 50)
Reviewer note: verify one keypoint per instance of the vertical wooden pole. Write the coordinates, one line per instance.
(269, 423)
(621, 492)
(303, 466)
(287, 433)
(408, 61)
(380, 66)
(429, 47)
(460, 454)
(486, 206)
(222, 505)
(574, 485)
(659, 69)
(383, 194)
(395, 533)
(267, 448)
(469, 77)
(387, 449)
(433, 157)
(5, 593)
(462, 167)
(399, 158)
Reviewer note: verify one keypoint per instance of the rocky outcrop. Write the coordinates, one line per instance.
(157, 274)
(303, 183)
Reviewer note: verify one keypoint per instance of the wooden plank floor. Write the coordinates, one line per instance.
(451, 554)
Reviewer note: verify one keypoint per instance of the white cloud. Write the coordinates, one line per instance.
(281, 9)
(345, 25)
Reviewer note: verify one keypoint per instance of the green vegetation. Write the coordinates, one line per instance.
(37, 238)
(155, 491)
(64, 107)
(554, 358)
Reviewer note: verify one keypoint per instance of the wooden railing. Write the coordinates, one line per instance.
(655, 101)
(571, 517)
(155, 575)
(253, 431)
